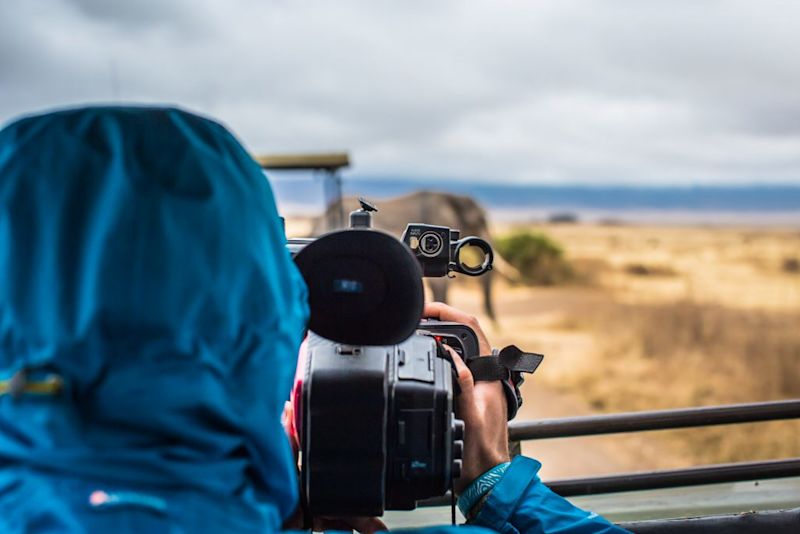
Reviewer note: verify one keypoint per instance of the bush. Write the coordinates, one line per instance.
(539, 259)
(640, 269)
(791, 265)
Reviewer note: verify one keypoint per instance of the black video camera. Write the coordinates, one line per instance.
(374, 400)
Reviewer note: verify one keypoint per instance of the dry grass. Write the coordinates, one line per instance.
(688, 354)
(672, 317)
(706, 316)
(734, 267)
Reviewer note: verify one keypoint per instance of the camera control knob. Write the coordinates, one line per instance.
(456, 468)
(458, 429)
(458, 449)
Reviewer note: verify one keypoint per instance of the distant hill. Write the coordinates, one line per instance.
(598, 201)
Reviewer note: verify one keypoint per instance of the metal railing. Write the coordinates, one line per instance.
(654, 420)
(673, 478)
(660, 420)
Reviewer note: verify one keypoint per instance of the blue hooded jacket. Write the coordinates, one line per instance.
(143, 262)
(150, 318)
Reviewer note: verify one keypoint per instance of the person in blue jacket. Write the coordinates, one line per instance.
(150, 319)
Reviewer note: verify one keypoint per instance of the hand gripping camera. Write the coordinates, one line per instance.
(374, 396)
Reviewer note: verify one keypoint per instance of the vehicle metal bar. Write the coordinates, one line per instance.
(654, 420)
(772, 521)
(326, 162)
(672, 478)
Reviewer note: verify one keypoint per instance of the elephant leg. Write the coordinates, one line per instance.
(486, 286)
(439, 289)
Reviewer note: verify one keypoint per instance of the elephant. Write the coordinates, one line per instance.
(429, 207)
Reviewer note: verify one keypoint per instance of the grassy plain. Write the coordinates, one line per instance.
(656, 317)
(663, 317)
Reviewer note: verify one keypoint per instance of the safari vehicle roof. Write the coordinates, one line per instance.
(330, 162)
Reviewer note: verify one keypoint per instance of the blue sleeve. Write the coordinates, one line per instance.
(521, 503)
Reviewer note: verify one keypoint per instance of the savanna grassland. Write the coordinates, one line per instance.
(651, 317)
(663, 317)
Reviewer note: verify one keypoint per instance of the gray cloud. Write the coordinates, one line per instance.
(568, 91)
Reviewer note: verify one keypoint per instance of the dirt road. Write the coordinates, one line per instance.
(537, 320)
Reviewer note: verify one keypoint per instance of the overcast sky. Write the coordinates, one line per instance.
(669, 92)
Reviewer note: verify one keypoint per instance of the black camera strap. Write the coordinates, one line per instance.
(507, 366)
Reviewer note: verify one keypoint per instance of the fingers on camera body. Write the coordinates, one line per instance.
(463, 374)
(444, 312)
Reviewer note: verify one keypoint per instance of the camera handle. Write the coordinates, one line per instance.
(362, 218)
(507, 366)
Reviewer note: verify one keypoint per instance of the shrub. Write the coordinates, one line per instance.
(791, 265)
(538, 258)
(640, 269)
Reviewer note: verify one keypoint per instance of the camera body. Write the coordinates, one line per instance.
(377, 426)
(374, 396)
(438, 250)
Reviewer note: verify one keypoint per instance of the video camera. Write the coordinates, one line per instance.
(374, 398)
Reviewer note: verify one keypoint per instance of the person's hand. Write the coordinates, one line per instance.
(482, 405)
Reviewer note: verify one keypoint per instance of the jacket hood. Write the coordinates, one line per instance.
(142, 260)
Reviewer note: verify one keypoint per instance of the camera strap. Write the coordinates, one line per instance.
(507, 366)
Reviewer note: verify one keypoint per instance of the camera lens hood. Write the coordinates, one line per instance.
(463, 267)
(365, 287)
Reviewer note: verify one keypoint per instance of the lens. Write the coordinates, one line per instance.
(471, 257)
(430, 243)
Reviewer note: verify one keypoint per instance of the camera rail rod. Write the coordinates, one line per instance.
(654, 420)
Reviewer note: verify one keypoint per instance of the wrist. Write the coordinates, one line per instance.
(490, 459)
(476, 492)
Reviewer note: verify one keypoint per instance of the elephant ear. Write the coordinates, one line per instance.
(364, 287)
